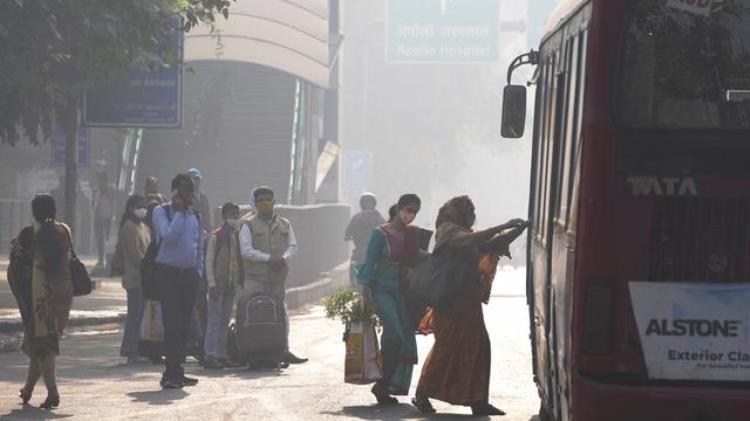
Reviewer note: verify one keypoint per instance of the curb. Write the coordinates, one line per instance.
(11, 333)
(328, 283)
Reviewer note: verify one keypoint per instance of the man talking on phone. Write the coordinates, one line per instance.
(179, 265)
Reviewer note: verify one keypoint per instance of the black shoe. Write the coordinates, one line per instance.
(382, 396)
(212, 363)
(189, 381)
(423, 404)
(172, 384)
(229, 363)
(485, 409)
(290, 358)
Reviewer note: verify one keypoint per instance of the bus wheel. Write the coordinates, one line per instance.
(544, 413)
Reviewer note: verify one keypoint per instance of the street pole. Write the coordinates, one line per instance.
(70, 123)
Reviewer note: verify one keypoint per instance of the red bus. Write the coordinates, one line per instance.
(638, 278)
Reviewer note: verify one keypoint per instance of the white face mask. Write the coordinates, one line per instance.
(140, 213)
(234, 223)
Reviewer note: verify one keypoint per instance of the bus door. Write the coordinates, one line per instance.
(541, 238)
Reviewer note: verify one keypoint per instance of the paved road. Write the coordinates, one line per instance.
(96, 385)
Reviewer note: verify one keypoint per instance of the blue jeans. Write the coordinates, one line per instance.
(219, 310)
(131, 335)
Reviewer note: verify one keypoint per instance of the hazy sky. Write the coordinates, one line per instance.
(434, 129)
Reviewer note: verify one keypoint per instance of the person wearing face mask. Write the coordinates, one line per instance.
(457, 370)
(391, 254)
(133, 239)
(225, 274)
(268, 243)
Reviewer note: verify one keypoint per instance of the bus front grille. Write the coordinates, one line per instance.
(700, 240)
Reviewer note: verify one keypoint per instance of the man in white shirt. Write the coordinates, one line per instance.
(267, 244)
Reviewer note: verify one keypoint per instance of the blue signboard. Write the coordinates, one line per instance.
(447, 31)
(58, 147)
(138, 98)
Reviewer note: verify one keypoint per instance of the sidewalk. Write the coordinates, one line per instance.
(107, 304)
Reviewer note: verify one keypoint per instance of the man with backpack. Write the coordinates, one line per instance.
(267, 244)
(224, 274)
(179, 265)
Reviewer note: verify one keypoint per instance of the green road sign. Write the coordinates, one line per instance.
(448, 31)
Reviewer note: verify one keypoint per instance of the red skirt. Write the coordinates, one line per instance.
(457, 370)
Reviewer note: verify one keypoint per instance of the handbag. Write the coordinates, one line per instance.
(440, 278)
(149, 283)
(82, 284)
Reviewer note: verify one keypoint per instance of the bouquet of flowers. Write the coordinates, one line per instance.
(347, 305)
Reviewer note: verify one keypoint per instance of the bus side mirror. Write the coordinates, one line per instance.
(514, 111)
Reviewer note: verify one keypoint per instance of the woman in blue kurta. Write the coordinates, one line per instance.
(391, 252)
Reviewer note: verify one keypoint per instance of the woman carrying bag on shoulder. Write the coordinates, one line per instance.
(457, 370)
(40, 277)
(391, 252)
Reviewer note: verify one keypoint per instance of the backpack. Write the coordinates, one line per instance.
(149, 283)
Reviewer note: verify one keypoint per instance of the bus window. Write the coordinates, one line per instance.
(547, 144)
(547, 77)
(541, 88)
(569, 129)
(684, 69)
(575, 148)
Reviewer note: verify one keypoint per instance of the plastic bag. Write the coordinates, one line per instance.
(364, 362)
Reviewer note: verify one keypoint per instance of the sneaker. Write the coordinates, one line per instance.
(212, 363)
(171, 384)
(189, 381)
(290, 358)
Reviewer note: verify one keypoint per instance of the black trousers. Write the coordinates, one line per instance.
(178, 290)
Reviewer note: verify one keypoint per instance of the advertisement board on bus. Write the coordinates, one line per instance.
(692, 331)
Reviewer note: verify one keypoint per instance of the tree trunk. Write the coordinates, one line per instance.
(70, 125)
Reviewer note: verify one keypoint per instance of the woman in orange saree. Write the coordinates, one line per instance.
(457, 370)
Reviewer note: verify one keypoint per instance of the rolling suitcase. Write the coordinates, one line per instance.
(259, 332)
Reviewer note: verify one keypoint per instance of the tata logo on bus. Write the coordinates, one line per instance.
(694, 327)
(697, 7)
(663, 186)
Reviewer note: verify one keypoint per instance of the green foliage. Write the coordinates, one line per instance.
(347, 305)
(53, 50)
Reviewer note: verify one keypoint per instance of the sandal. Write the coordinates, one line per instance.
(25, 395)
(52, 401)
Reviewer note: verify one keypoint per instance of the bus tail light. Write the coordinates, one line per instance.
(598, 320)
